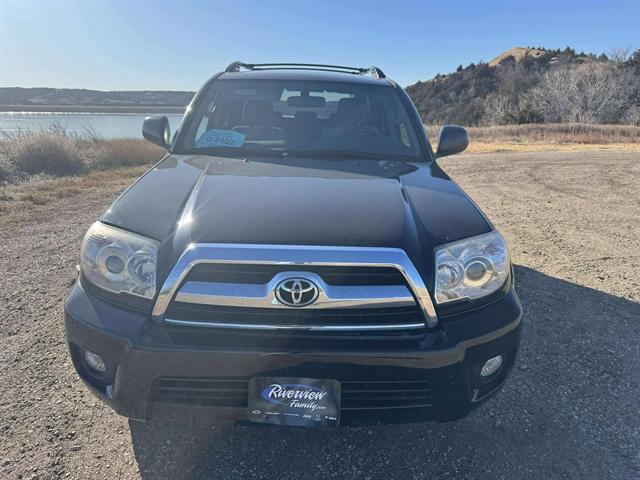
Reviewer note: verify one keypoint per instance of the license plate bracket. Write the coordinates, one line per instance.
(303, 402)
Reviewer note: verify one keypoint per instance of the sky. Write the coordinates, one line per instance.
(177, 45)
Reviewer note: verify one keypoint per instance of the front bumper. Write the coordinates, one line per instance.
(138, 352)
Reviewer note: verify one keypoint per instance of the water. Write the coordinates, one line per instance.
(105, 125)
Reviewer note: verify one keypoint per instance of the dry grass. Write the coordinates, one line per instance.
(42, 189)
(57, 153)
(494, 147)
(118, 153)
(38, 167)
(540, 137)
(550, 133)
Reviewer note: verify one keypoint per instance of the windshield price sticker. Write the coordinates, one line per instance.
(220, 138)
(302, 402)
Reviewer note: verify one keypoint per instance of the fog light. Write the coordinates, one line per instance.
(491, 366)
(95, 361)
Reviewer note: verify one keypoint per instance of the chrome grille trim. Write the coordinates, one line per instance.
(292, 255)
(263, 296)
(302, 328)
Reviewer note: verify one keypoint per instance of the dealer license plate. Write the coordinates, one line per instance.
(304, 402)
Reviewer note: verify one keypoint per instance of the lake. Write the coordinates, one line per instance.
(105, 125)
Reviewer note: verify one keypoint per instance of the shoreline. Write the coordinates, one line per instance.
(113, 109)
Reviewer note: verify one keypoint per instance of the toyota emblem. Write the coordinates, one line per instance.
(296, 292)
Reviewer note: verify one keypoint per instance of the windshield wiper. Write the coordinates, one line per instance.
(337, 154)
(237, 152)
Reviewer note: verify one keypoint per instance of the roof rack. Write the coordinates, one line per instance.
(236, 66)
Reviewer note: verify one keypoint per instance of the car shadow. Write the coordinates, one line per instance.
(568, 410)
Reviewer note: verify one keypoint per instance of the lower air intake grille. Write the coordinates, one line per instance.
(233, 392)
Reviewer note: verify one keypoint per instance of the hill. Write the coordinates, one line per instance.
(82, 97)
(532, 85)
(518, 53)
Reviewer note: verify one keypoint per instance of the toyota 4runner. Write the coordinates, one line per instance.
(297, 258)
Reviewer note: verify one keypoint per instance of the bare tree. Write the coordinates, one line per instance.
(500, 111)
(594, 92)
(554, 94)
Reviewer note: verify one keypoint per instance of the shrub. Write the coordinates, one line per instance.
(45, 152)
(7, 172)
(107, 154)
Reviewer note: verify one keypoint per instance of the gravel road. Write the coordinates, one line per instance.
(570, 409)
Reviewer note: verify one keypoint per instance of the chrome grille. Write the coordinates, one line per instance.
(369, 291)
(264, 295)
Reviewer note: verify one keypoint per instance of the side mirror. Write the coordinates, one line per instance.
(156, 129)
(453, 139)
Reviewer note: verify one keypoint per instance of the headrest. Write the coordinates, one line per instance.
(308, 101)
(257, 112)
(351, 110)
(306, 116)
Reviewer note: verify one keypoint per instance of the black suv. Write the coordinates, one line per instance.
(299, 258)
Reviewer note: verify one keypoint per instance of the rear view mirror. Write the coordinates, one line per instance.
(156, 129)
(453, 139)
(308, 101)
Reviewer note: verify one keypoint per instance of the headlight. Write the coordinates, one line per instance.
(119, 261)
(471, 268)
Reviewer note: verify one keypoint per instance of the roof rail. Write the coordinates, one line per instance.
(374, 71)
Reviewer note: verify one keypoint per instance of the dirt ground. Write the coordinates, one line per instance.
(569, 410)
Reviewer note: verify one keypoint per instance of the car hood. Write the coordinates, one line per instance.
(297, 201)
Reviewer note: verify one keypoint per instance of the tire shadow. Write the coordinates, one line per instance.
(568, 410)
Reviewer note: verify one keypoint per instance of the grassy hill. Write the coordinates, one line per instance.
(534, 85)
(518, 53)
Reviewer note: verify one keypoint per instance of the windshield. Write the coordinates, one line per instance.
(282, 117)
